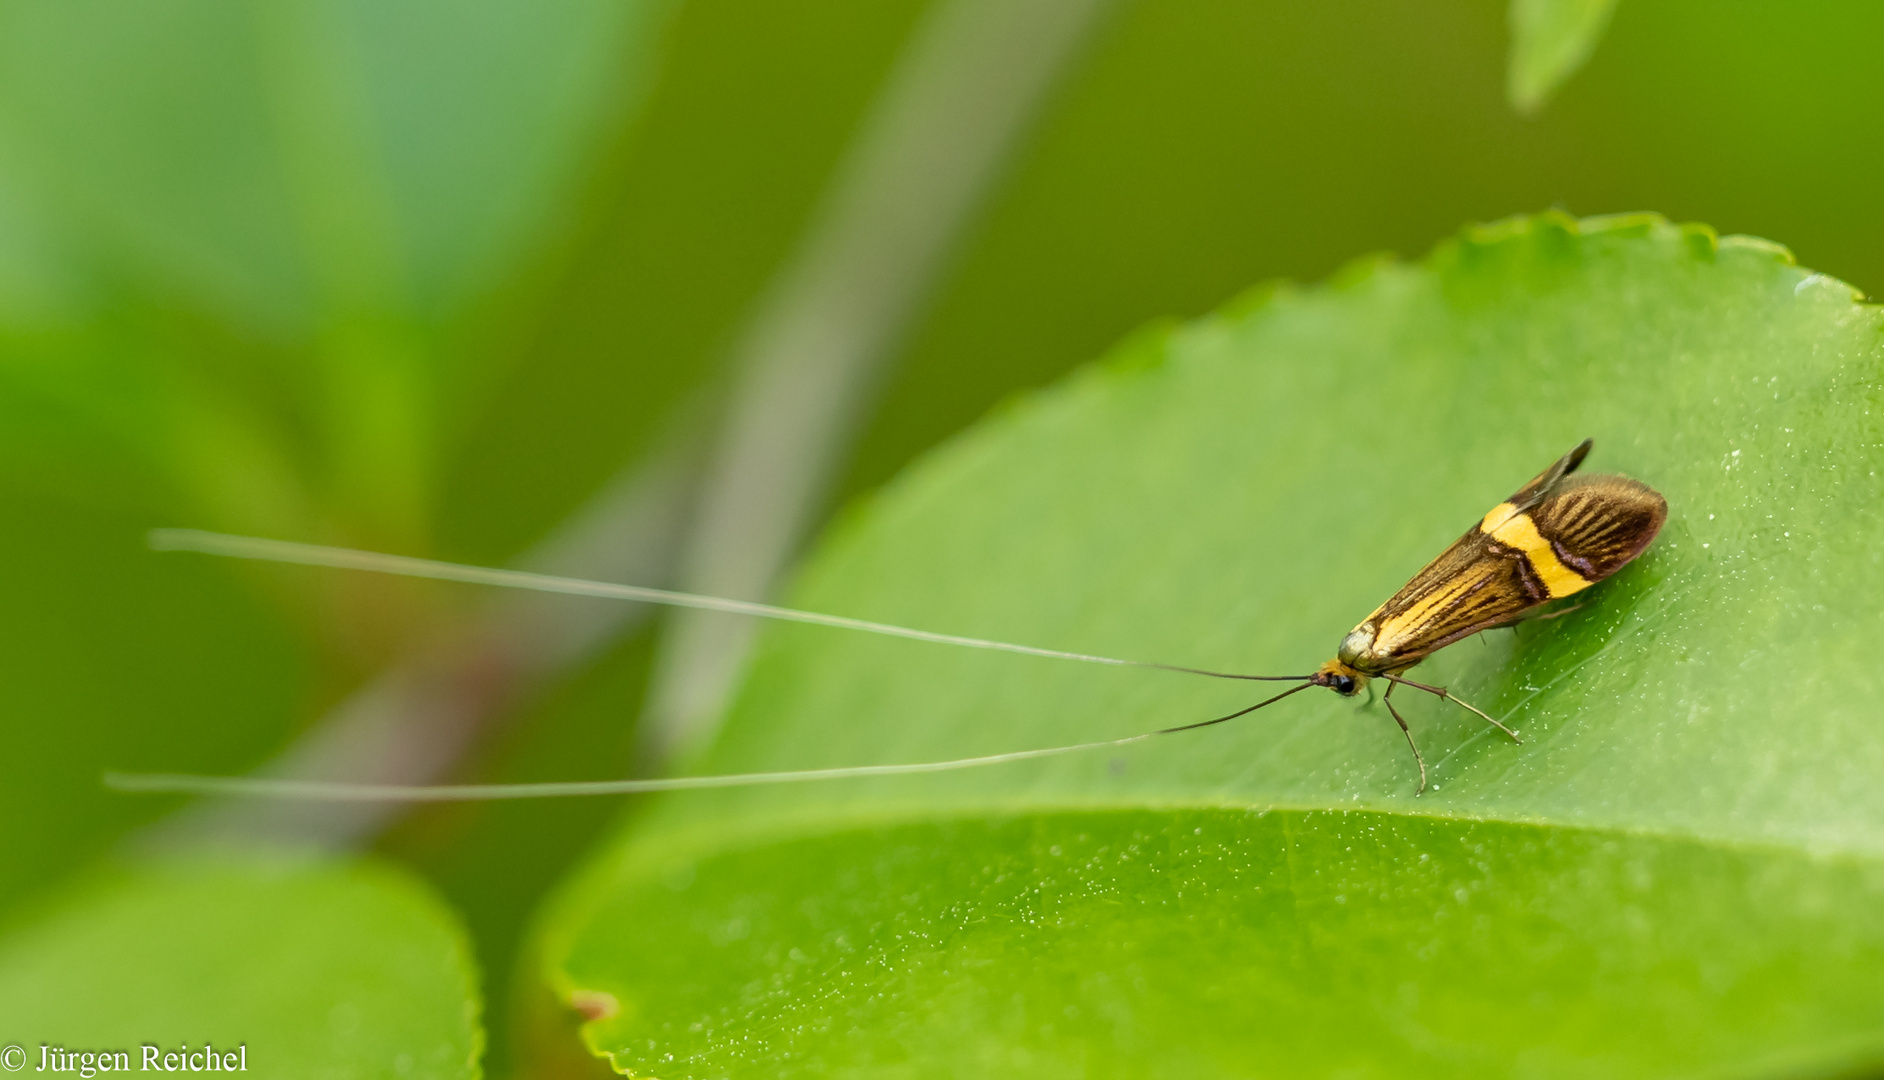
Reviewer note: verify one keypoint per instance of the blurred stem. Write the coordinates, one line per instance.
(967, 83)
(376, 392)
(230, 461)
(411, 724)
(379, 425)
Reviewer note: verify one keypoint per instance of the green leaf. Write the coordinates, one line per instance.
(267, 232)
(1680, 871)
(314, 970)
(271, 164)
(111, 654)
(1550, 40)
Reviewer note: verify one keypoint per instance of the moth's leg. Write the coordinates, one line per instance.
(1387, 699)
(1443, 694)
(1538, 614)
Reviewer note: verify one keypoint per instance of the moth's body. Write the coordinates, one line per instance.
(1553, 538)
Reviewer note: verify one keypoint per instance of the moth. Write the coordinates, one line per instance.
(1553, 538)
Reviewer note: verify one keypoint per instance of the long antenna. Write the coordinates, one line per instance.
(289, 551)
(340, 791)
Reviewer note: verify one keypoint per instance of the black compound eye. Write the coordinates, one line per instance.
(1344, 684)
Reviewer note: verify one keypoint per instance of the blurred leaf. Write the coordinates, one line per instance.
(259, 160)
(319, 970)
(241, 248)
(112, 655)
(1679, 871)
(37, 278)
(1550, 40)
(738, 140)
(270, 216)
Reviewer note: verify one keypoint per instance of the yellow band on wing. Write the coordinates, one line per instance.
(1495, 517)
(1516, 530)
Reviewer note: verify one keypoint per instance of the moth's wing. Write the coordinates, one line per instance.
(1596, 524)
(1558, 535)
(1582, 530)
(1473, 585)
(1541, 484)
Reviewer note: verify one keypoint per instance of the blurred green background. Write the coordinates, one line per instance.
(425, 277)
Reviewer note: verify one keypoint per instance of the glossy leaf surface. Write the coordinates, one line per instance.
(1678, 871)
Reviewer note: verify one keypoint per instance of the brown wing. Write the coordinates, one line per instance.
(1475, 585)
(1556, 536)
(1596, 524)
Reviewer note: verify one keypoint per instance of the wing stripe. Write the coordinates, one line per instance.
(1520, 532)
(1484, 590)
(1596, 524)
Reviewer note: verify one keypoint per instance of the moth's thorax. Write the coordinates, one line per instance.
(1359, 652)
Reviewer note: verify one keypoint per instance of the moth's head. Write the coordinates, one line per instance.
(1340, 678)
